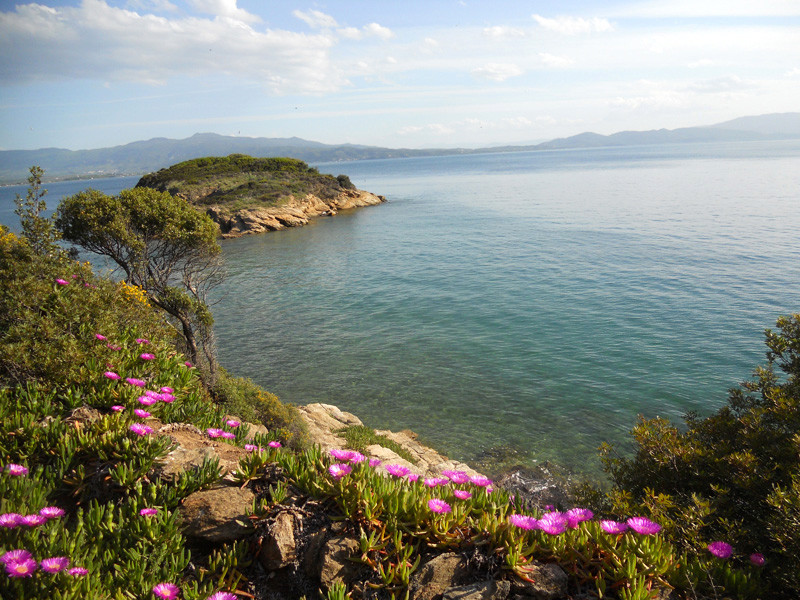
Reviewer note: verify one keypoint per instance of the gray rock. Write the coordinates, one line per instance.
(485, 590)
(548, 582)
(278, 546)
(335, 564)
(218, 514)
(438, 574)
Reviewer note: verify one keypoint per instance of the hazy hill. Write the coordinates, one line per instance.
(142, 157)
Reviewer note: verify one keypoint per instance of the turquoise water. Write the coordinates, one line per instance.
(532, 302)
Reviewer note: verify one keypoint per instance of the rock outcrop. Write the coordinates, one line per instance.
(294, 213)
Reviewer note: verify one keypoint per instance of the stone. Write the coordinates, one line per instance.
(438, 574)
(335, 563)
(278, 546)
(548, 582)
(485, 590)
(218, 514)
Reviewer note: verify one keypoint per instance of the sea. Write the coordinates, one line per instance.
(521, 308)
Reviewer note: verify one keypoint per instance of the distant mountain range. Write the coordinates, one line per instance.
(138, 158)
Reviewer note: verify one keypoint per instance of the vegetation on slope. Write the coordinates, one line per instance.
(238, 181)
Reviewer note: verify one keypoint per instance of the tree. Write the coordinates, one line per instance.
(164, 246)
(36, 229)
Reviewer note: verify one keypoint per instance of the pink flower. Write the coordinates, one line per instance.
(16, 470)
(140, 429)
(62, 282)
(413, 477)
(134, 381)
(117, 408)
(142, 341)
(113, 347)
(339, 470)
(51, 512)
(34, 520)
(374, 462)
(643, 525)
(462, 494)
(188, 364)
(221, 596)
(78, 571)
(15, 556)
(252, 447)
(100, 337)
(398, 470)
(112, 375)
(152, 394)
(10, 520)
(167, 390)
(54, 564)
(167, 591)
(433, 482)
(439, 506)
(21, 568)
(576, 515)
(457, 477)
(228, 435)
(480, 481)
(340, 454)
(146, 400)
(553, 523)
(523, 521)
(613, 527)
(274, 444)
(720, 549)
(168, 398)
(147, 356)
(148, 512)
(141, 413)
(213, 432)
(757, 559)
(232, 423)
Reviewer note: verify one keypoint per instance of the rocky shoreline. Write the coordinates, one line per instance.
(294, 213)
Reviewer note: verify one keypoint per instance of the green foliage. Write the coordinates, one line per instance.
(732, 476)
(358, 437)
(36, 229)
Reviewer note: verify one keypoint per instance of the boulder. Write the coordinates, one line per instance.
(485, 590)
(548, 582)
(218, 514)
(278, 546)
(335, 564)
(437, 575)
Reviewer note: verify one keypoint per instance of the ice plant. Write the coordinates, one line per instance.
(439, 506)
(51, 512)
(147, 356)
(62, 282)
(141, 413)
(553, 523)
(228, 435)
(78, 571)
(274, 444)
(140, 429)
(462, 494)
(113, 347)
(134, 381)
(252, 447)
(142, 341)
(577, 515)
(167, 591)
(100, 337)
(10, 520)
(613, 527)
(147, 400)
(16, 470)
(33, 520)
(232, 423)
(413, 477)
(757, 559)
(167, 390)
(720, 549)
(54, 564)
(398, 470)
(480, 481)
(147, 512)
(221, 596)
(21, 568)
(374, 462)
(111, 375)
(168, 398)
(117, 408)
(15, 556)
(523, 521)
(457, 477)
(339, 470)
(213, 432)
(643, 525)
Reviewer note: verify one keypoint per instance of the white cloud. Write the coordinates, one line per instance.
(556, 62)
(721, 85)
(221, 8)
(503, 32)
(703, 62)
(100, 42)
(793, 72)
(709, 8)
(316, 19)
(155, 5)
(378, 31)
(497, 71)
(350, 33)
(574, 25)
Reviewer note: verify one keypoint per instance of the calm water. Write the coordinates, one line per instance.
(531, 302)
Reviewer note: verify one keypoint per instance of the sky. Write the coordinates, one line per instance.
(83, 74)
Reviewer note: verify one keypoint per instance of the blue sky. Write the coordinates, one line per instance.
(402, 73)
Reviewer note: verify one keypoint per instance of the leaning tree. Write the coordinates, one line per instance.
(164, 246)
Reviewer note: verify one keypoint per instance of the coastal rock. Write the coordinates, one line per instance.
(278, 546)
(218, 514)
(192, 446)
(437, 575)
(335, 561)
(548, 582)
(485, 590)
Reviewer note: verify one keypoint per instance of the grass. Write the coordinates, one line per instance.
(358, 437)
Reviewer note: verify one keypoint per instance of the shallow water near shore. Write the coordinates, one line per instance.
(520, 307)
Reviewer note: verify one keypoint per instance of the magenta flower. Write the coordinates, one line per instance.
(148, 512)
(146, 400)
(152, 394)
(413, 477)
(113, 347)
(21, 568)
(462, 494)
(577, 515)
(439, 506)
(613, 527)
(147, 356)
(140, 429)
(228, 435)
(168, 398)
(433, 482)
(553, 523)
(757, 559)
(78, 571)
(142, 341)
(221, 596)
(15, 556)
(100, 337)
(167, 390)
(33, 520)
(340, 454)
(213, 432)
(274, 444)
(643, 525)
(54, 564)
(141, 413)
(167, 591)
(457, 477)
(62, 282)
(188, 364)
(232, 423)
(480, 481)
(374, 462)
(134, 381)
(523, 521)
(252, 447)
(16, 470)
(112, 375)
(51, 512)
(720, 549)
(398, 470)
(10, 520)
(339, 470)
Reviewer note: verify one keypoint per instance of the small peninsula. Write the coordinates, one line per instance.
(245, 195)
